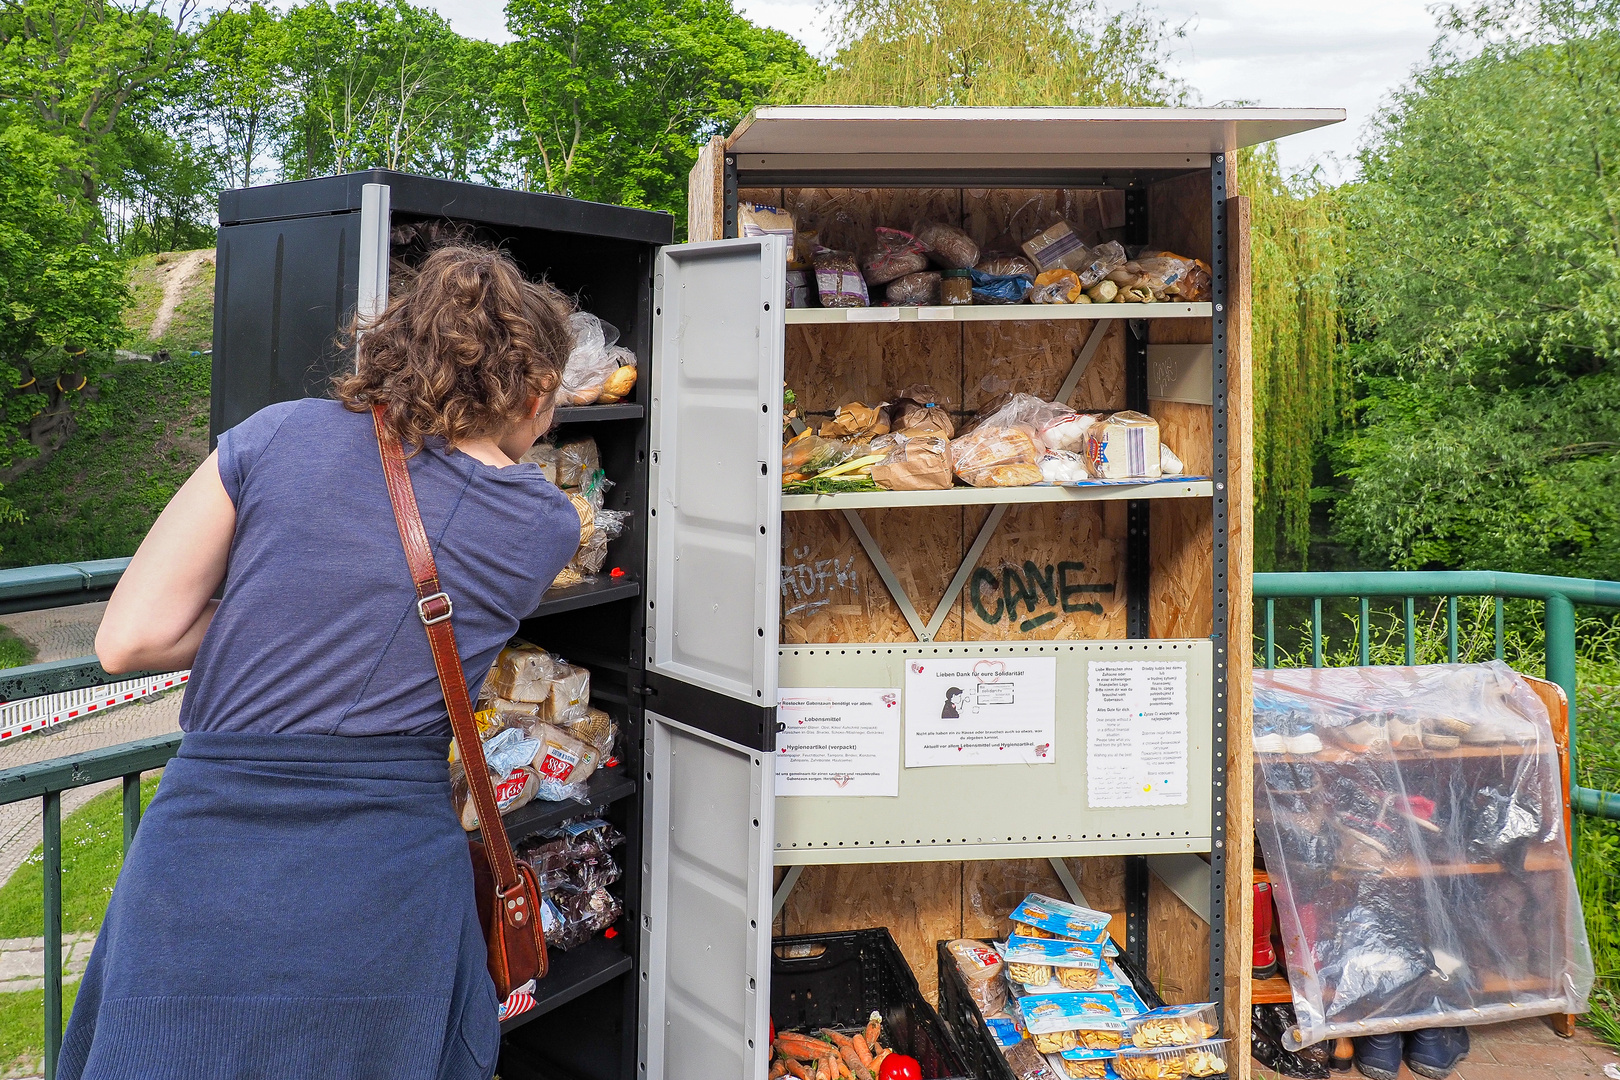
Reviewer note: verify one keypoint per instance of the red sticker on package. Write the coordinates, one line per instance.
(557, 763)
(510, 788)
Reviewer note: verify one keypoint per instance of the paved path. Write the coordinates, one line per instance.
(64, 633)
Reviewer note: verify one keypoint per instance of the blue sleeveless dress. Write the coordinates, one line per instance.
(298, 901)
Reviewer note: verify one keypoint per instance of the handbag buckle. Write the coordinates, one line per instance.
(422, 608)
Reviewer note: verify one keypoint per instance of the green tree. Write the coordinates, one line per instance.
(997, 52)
(609, 101)
(1484, 297)
(238, 94)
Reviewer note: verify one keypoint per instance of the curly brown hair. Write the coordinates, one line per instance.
(460, 349)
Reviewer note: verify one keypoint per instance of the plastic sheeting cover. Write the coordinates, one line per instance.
(1412, 824)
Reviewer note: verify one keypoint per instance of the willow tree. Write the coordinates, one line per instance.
(1073, 52)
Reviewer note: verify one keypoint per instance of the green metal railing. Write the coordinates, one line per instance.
(46, 781)
(1559, 594)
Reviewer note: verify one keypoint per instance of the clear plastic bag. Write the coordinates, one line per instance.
(914, 290)
(947, 245)
(571, 919)
(1056, 287)
(1166, 276)
(1063, 467)
(577, 461)
(521, 672)
(1417, 888)
(1124, 446)
(809, 454)
(838, 280)
(1057, 248)
(592, 360)
(1105, 258)
(995, 456)
(896, 254)
(981, 969)
(1004, 264)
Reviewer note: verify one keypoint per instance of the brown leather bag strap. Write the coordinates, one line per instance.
(433, 607)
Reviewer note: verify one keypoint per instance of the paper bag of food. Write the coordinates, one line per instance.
(920, 412)
(915, 463)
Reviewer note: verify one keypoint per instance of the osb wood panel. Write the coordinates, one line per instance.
(1002, 219)
(1035, 358)
(1050, 572)
(831, 592)
(920, 903)
(1179, 216)
(828, 364)
(844, 218)
(705, 204)
(990, 890)
(1177, 947)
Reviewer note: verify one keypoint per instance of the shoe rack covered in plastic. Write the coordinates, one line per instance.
(1412, 824)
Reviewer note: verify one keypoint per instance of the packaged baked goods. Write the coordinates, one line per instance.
(592, 361)
(1059, 1022)
(896, 254)
(1172, 1025)
(956, 287)
(1103, 260)
(1056, 287)
(591, 726)
(947, 245)
(915, 463)
(1005, 264)
(914, 290)
(577, 461)
(571, 919)
(1083, 1063)
(980, 967)
(1057, 248)
(570, 686)
(801, 289)
(856, 419)
(838, 279)
(562, 758)
(1123, 446)
(543, 454)
(1000, 289)
(990, 456)
(1207, 1058)
(1065, 429)
(522, 673)
(1064, 979)
(919, 411)
(619, 384)
(1037, 962)
(1026, 1063)
(1168, 276)
(1060, 917)
(756, 219)
(512, 791)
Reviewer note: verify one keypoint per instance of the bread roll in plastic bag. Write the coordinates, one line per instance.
(914, 290)
(981, 967)
(1004, 263)
(543, 454)
(1123, 446)
(592, 726)
(577, 461)
(513, 791)
(1105, 258)
(897, 254)
(522, 673)
(590, 362)
(947, 245)
(1056, 287)
(991, 456)
(570, 687)
(564, 758)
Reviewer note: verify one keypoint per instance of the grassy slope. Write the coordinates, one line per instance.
(193, 325)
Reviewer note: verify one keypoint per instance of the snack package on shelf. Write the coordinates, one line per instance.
(947, 245)
(838, 280)
(1057, 248)
(981, 968)
(801, 289)
(896, 255)
(572, 919)
(1061, 918)
(1206, 1058)
(914, 463)
(1000, 289)
(919, 411)
(1059, 1022)
(1035, 963)
(1105, 258)
(1006, 1028)
(756, 219)
(914, 290)
(1123, 446)
(1056, 287)
(1412, 820)
(1173, 1025)
(1005, 264)
(1083, 1064)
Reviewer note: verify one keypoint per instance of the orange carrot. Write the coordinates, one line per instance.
(877, 1058)
(846, 1048)
(802, 1046)
(778, 1069)
(861, 1049)
(825, 1070)
(798, 1071)
(874, 1030)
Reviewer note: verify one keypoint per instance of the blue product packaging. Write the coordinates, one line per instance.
(1070, 1011)
(1058, 917)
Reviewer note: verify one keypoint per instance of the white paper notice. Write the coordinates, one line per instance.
(1136, 733)
(837, 741)
(980, 711)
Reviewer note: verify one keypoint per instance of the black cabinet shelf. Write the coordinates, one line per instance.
(584, 414)
(580, 969)
(605, 786)
(604, 590)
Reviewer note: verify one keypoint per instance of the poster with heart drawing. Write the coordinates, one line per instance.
(998, 710)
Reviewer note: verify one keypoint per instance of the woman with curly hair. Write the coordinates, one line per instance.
(299, 899)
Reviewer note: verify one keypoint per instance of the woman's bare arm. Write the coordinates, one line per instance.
(158, 614)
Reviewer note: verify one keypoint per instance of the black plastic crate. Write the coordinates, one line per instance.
(966, 1023)
(847, 976)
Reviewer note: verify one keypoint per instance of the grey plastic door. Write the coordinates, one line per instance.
(714, 555)
(707, 808)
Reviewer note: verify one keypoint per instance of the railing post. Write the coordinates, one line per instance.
(1411, 631)
(53, 931)
(1271, 633)
(132, 808)
(1366, 632)
(1561, 661)
(1499, 636)
(1451, 629)
(1316, 631)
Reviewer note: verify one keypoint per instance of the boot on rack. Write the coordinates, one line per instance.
(1265, 957)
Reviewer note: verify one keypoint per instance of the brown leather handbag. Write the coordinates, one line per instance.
(508, 894)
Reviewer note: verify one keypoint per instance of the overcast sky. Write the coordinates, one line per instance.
(1265, 52)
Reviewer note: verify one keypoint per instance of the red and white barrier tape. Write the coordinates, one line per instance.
(39, 713)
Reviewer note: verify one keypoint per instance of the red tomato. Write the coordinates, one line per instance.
(900, 1067)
